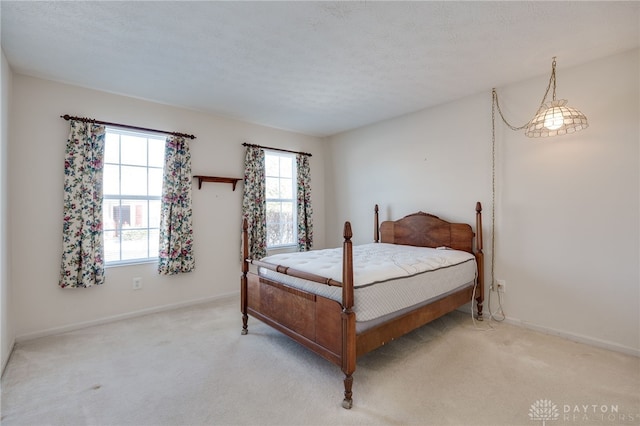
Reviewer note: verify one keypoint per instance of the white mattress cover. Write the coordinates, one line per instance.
(387, 277)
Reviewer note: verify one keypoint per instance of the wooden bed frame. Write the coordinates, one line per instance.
(327, 327)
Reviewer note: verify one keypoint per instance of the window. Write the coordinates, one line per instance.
(132, 188)
(280, 187)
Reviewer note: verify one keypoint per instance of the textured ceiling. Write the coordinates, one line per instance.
(313, 67)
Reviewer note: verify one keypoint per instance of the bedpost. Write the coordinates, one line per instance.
(245, 270)
(479, 260)
(348, 317)
(376, 229)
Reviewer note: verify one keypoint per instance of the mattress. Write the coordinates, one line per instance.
(387, 277)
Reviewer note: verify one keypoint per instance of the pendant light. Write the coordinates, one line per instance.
(555, 118)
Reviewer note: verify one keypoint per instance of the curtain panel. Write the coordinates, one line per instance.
(82, 243)
(176, 224)
(304, 210)
(254, 202)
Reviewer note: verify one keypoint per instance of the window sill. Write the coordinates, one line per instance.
(130, 263)
(282, 249)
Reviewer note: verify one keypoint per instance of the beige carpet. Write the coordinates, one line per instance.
(192, 367)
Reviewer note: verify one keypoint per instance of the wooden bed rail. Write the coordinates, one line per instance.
(295, 273)
(347, 267)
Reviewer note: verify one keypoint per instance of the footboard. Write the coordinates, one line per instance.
(311, 320)
(325, 326)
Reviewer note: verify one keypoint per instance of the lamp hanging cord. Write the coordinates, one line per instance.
(494, 104)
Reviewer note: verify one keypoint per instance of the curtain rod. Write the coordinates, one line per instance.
(275, 149)
(125, 126)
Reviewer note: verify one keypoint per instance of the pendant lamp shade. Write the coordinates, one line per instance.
(555, 118)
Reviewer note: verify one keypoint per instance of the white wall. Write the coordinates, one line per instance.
(427, 161)
(7, 333)
(567, 211)
(36, 177)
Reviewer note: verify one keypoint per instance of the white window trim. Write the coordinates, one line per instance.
(142, 260)
(289, 247)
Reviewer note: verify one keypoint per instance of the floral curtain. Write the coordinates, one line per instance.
(176, 225)
(82, 242)
(254, 203)
(305, 212)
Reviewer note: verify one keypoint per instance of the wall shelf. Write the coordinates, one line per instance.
(232, 181)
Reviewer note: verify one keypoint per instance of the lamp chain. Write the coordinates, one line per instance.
(552, 79)
(496, 103)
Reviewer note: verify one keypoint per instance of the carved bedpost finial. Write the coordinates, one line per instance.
(478, 207)
(245, 224)
(347, 231)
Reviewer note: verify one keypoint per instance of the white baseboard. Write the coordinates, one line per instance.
(6, 360)
(77, 326)
(612, 346)
(592, 341)
(514, 321)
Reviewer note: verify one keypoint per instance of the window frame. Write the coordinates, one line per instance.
(293, 200)
(152, 227)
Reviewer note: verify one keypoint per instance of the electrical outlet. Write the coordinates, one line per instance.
(501, 286)
(137, 283)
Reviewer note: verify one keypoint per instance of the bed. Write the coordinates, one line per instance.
(324, 309)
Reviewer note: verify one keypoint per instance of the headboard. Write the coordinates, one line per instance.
(426, 230)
